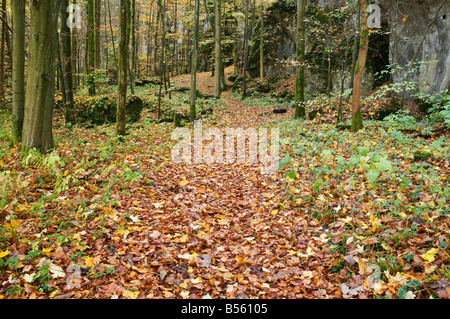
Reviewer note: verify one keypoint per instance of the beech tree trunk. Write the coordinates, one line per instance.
(246, 35)
(300, 69)
(91, 47)
(18, 70)
(97, 18)
(194, 61)
(66, 61)
(40, 87)
(218, 49)
(123, 66)
(261, 43)
(2, 53)
(359, 68)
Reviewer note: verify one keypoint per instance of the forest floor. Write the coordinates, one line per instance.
(347, 215)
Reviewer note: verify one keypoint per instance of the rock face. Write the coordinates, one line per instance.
(420, 32)
(423, 35)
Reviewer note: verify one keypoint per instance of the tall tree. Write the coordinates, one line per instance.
(359, 68)
(218, 48)
(246, 35)
(97, 18)
(2, 53)
(91, 47)
(18, 70)
(37, 132)
(124, 26)
(300, 55)
(261, 43)
(357, 21)
(194, 61)
(66, 61)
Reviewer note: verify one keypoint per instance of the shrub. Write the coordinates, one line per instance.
(101, 109)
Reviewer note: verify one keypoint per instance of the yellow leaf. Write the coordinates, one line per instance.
(4, 253)
(183, 182)
(429, 256)
(47, 251)
(53, 294)
(91, 262)
(130, 295)
(196, 280)
(13, 225)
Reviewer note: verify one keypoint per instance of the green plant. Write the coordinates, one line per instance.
(401, 120)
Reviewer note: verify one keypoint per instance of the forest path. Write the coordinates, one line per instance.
(237, 113)
(226, 230)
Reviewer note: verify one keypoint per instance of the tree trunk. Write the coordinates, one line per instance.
(133, 46)
(244, 73)
(359, 69)
(300, 69)
(116, 62)
(162, 64)
(66, 61)
(18, 70)
(194, 61)
(91, 47)
(218, 48)
(2, 54)
(41, 76)
(97, 16)
(356, 39)
(74, 54)
(123, 66)
(261, 44)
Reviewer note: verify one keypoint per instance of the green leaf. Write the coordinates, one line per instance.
(384, 165)
(372, 175)
(354, 160)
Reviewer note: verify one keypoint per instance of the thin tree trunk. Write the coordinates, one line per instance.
(218, 48)
(261, 44)
(18, 70)
(37, 131)
(91, 47)
(194, 61)
(355, 40)
(123, 66)
(2, 54)
(359, 69)
(162, 65)
(246, 34)
(97, 14)
(74, 54)
(66, 64)
(116, 62)
(300, 69)
(133, 45)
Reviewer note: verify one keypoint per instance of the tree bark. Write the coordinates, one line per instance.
(218, 48)
(97, 18)
(18, 70)
(261, 43)
(194, 61)
(246, 34)
(123, 66)
(91, 47)
(66, 61)
(357, 123)
(41, 76)
(300, 69)
(2, 53)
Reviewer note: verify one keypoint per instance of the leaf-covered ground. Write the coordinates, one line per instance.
(346, 216)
